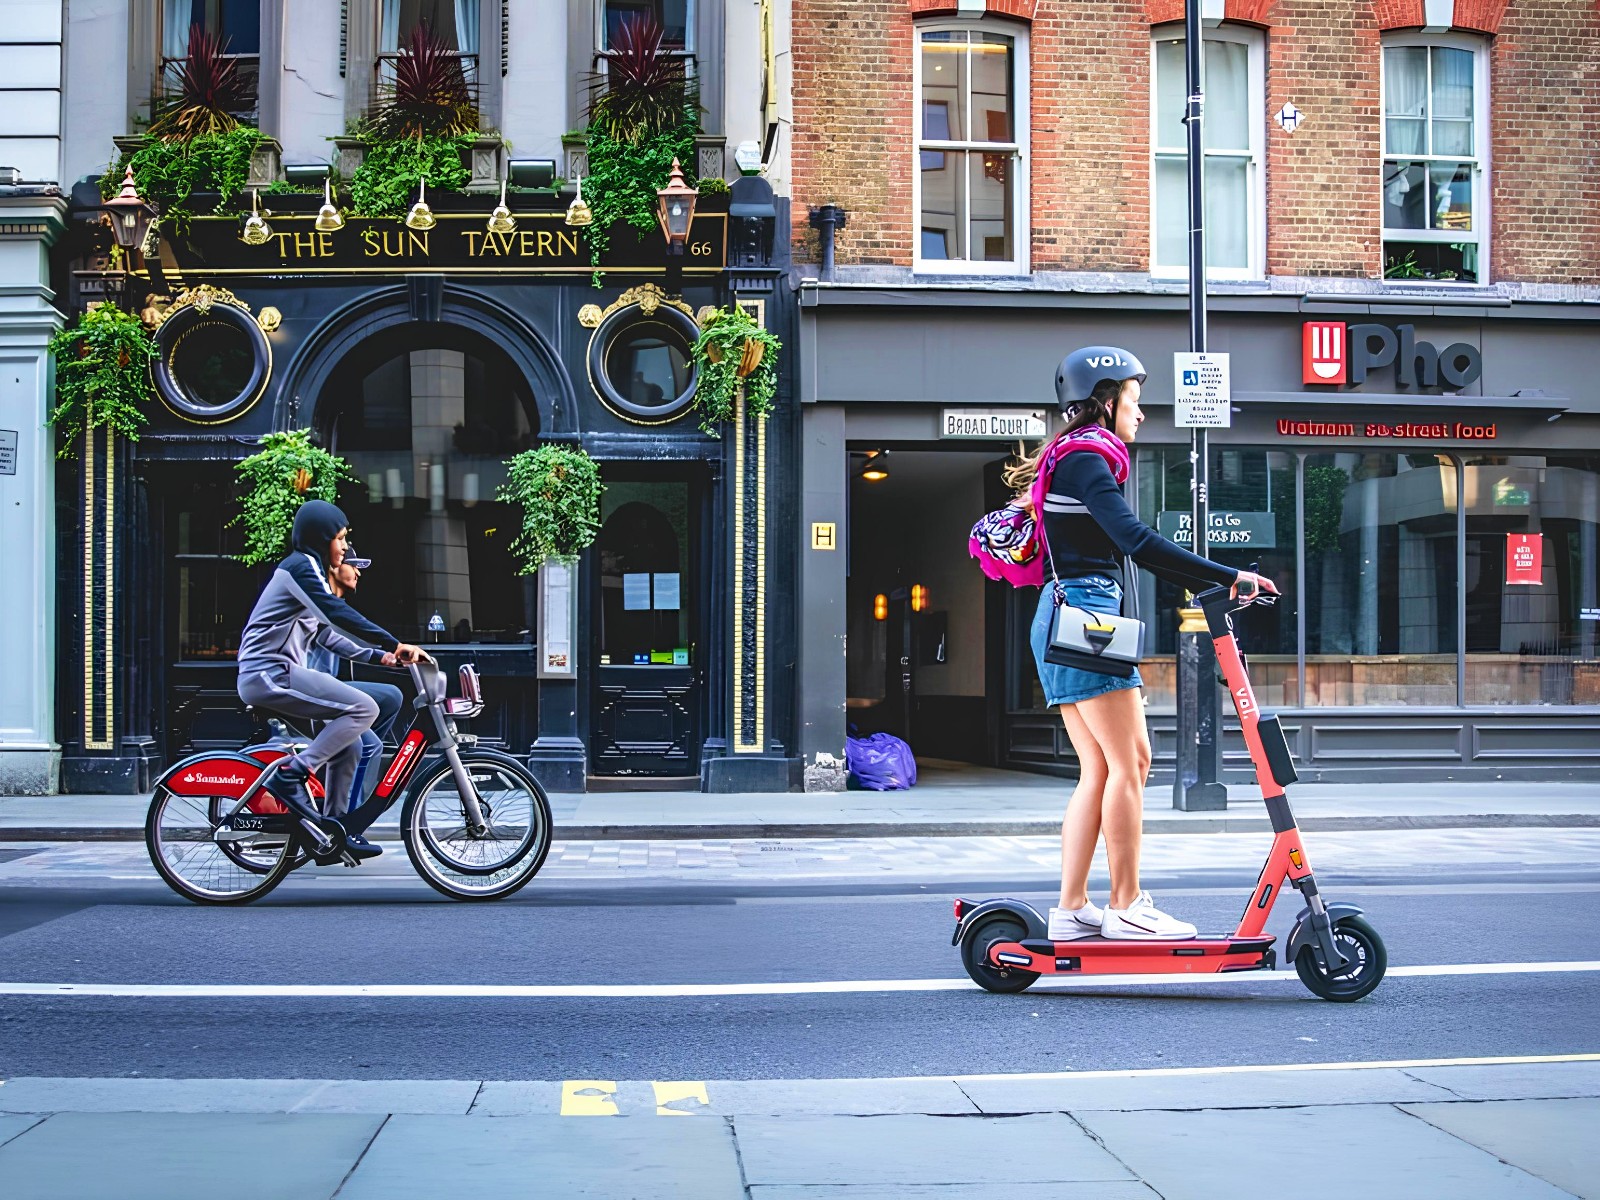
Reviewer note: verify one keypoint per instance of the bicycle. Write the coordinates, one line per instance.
(476, 824)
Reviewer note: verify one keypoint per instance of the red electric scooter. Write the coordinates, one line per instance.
(1335, 950)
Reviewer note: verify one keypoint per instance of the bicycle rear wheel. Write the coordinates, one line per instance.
(468, 865)
(180, 834)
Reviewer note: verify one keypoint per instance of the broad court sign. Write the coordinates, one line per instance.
(1006, 423)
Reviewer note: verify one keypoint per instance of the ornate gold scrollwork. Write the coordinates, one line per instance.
(201, 298)
(590, 316)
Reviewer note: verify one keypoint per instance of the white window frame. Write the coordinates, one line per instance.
(1022, 239)
(1482, 220)
(689, 33)
(1254, 41)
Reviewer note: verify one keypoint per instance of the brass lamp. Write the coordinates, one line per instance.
(501, 220)
(256, 230)
(128, 215)
(329, 217)
(675, 209)
(578, 212)
(421, 216)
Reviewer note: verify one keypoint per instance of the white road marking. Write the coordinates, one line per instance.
(449, 991)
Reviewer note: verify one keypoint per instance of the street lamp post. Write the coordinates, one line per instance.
(1197, 785)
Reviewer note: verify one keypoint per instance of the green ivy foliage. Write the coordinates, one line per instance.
(385, 182)
(102, 375)
(168, 173)
(558, 488)
(717, 378)
(623, 178)
(270, 496)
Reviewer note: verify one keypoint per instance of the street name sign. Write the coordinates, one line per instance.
(1008, 423)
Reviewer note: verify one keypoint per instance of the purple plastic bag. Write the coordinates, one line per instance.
(880, 763)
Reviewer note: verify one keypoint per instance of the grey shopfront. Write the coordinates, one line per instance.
(1434, 524)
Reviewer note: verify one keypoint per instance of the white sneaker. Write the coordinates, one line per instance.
(1142, 919)
(1067, 924)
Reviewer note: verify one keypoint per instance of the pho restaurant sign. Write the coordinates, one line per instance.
(459, 243)
(1333, 352)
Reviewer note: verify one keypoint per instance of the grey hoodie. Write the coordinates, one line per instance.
(297, 607)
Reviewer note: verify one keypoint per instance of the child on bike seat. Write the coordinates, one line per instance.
(296, 609)
(343, 580)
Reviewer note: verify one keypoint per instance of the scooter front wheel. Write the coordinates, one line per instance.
(1366, 962)
(975, 956)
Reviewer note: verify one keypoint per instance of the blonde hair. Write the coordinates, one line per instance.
(1019, 474)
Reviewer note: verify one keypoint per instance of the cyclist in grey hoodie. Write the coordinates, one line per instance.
(295, 609)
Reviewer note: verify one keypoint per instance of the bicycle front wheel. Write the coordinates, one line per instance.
(468, 864)
(180, 834)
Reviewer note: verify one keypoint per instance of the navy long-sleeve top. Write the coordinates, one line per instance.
(1089, 526)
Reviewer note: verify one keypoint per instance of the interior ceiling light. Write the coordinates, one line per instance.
(875, 469)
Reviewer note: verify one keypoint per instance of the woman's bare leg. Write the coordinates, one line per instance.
(1115, 722)
(1080, 828)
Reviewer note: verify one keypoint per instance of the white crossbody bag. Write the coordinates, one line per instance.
(1106, 643)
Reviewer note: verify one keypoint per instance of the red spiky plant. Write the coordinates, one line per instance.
(429, 96)
(204, 93)
(644, 90)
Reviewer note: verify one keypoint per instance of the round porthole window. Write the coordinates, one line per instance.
(214, 363)
(642, 366)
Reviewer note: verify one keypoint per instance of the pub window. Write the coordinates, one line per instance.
(236, 22)
(1234, 132)
(1435, 139)
(971, 178)
(1533, 579)
(454, 22)
(1381, 579)
(1253, 520)
(214, 592)
(426, 432)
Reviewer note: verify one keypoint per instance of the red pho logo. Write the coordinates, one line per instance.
(1326, 358)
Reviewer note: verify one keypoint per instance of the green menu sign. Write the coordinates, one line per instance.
(1240, 530)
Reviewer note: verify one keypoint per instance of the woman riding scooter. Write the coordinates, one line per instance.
(1087, 526)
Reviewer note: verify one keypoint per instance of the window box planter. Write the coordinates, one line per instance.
(266, 164)
(711, 156)
(485, 158)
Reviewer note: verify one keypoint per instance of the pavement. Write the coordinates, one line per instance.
(949, 800)
(1503, 1129)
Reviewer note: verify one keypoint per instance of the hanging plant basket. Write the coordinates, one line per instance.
(102, 375)
(733, 351)
(286, 472)
(558, 489)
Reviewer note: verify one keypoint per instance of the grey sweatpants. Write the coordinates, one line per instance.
(311, 695)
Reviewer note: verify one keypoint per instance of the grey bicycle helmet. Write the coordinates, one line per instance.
(1084, 370)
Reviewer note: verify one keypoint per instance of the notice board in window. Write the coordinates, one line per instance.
(1524, 558)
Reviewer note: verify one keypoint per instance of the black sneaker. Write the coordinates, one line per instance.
(360, 847)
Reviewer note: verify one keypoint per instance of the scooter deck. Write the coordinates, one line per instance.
(1209, 954)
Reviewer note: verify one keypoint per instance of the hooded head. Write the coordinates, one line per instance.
(316, 524)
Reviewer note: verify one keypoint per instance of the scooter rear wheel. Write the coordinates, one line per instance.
(975, 956)
(1360, 943)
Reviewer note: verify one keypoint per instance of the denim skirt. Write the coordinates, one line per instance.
(1070, 685)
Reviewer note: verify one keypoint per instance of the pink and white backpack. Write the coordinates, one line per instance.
(1006, 542)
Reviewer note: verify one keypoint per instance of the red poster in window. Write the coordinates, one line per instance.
(1525, 558)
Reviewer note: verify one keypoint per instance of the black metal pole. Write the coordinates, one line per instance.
(1197, 785)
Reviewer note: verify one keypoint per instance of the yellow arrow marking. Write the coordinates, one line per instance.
(588, 1098)
(668, 1094)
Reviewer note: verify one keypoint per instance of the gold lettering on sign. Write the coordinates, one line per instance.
(546, 242)
(472, 246)
(525, 244)
(369, 238)
(564, 238)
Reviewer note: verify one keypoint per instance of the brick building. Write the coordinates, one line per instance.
(1413, 180)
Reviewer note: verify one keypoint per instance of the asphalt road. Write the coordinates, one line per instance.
(101, 930)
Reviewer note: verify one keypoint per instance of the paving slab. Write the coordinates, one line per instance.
(1553, 1139)
(891, 1151)
(517, 1098)
(109, 1095)
(1246, 1089)
(847, 1097)
(434, 1157)
(423, 1097)
(1100, 1190)
(1380, 1150)
(1515, 1081)
(183, 1156)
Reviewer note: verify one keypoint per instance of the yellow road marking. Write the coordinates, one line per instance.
(671, 1093)
(588, 1098)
